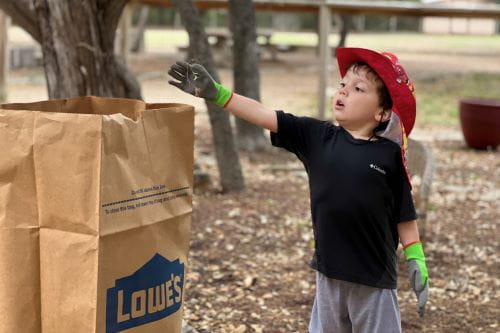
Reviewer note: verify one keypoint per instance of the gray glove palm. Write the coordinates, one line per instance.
(418, 273)
(421, 290)
(195, 80)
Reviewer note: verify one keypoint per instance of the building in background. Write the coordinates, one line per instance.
(458, 25)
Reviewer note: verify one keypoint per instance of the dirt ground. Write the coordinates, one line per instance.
(248, 269)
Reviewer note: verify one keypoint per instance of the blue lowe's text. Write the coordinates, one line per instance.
(152, 293)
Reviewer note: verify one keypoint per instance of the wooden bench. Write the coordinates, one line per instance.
(222, 38)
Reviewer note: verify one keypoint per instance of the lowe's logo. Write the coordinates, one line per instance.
(151, 293)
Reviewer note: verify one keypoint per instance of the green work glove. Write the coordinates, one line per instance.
(419, 278)
(195, 80)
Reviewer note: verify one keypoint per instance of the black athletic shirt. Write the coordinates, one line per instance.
(359, 192)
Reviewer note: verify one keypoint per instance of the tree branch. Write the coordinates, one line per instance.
(111, 11)
(22, 13)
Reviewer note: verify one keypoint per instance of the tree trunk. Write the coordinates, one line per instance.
(138, 43)
(246, 69)
(81, 61)
(22, 13)
(344, 29)
(226, 154)
(77, 40)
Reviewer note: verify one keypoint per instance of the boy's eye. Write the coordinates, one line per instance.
(359, 89)
(342, 84)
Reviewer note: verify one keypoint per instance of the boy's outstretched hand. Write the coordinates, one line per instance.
(419, 278)
(195, 80)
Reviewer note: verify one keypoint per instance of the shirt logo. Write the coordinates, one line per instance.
(152, 293)
(376, 167)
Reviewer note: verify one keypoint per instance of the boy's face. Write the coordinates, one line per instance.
(356, 102)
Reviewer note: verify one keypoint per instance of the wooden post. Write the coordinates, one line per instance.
(125, 23)
(393, 23)
(177, 20)
(361, 22)
(4, 55)
(325, 55)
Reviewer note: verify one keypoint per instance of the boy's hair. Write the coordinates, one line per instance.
(385, 100)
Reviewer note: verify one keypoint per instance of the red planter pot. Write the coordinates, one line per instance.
(480, 120)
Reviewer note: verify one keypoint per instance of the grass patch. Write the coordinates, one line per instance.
(438, 97)
(395, 42)
(158, 38)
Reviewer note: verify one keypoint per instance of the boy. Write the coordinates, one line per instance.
(361, 199)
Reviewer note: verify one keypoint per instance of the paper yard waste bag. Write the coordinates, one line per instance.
(95, 215)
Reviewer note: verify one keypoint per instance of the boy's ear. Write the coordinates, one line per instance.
(384, 115)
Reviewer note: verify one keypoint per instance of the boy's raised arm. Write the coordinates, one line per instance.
(195, 80)
(253, 112)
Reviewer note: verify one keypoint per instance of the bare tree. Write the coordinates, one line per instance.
(199, 50)
(246, 69)
(138, 43)
(345, 26)
(77, 40)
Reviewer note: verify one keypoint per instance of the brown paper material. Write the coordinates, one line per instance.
(95, 214)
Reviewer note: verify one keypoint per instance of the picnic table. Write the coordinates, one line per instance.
(222, 38)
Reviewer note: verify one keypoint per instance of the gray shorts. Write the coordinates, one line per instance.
(341, 306)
